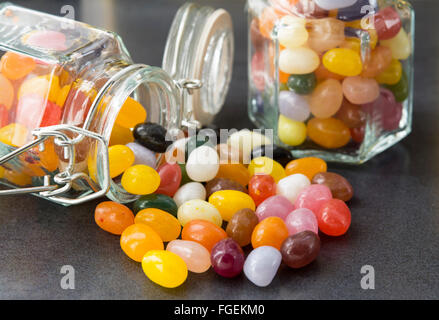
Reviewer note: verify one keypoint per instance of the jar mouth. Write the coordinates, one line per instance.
(154, 90)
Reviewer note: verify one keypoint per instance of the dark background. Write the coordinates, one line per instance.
(395, 213)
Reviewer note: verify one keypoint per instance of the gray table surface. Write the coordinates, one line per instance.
(395, 213)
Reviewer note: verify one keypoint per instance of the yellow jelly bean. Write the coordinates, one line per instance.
(121, 158)
(165, 224)
(62, 95)
(345, 62)
(45, 86)
(121, 135)
(266, 165)
(291, 132)
(199, 210)
(228, 202)
(400, 45)
(14, 134)
(131, 113)
(164, 268)
(298, 60)
(140, 179)
(392, 74)
(2, 172)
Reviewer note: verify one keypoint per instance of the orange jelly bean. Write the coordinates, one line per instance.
(6, 92)
(309, 167)
(165, 224)
(113, 217)
(329, 133)
(271, 231)
(234, 171)
(138, 239)
(48, 158)
(131, 113)
(204, 232)
(18, 178)
(15, 66)
(120, 135)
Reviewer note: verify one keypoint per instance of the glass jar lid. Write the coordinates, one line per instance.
(199, 57)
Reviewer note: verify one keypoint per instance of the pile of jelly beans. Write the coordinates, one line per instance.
(209, 205)
(328, 86)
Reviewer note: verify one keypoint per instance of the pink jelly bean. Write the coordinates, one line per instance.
(258, 71)
(313, 197)
(301, 219)
(274, 206)
(47, 39)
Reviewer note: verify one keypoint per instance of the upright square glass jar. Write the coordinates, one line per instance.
(332, 78)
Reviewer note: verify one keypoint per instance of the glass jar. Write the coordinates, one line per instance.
(69, 90)
(332, 78)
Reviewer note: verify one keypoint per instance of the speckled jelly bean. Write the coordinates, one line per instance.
(227, 258)
(266, 165)
(326, 99)
(230, 201)
(274, 206)
(159, 201)
(138, 239)
(400, 45)
(142, 155)
(273, 151)
(334, 217)
(162, 222)
(343, 61)
(360, 90)
(313, 197)
(260, 187)
(170, 178)
(262, 264)
(190, 191)
(300, 249)
(291, 132)
(198, 210)
(325, 34)
(202, 164)
(308, 166)
(271, 231)
(241, 226)
(140, 179)
(113, 217)
(196, 257)
(329, 133)
(339, 186)
(294, 106)
(301, 219)
(121, 158)
(302, 83)
(292, 185)
(298, 60)
(164, 268)
(203, 232)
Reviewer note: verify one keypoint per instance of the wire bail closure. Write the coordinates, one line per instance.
(187, 86)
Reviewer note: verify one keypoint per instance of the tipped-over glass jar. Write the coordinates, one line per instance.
(68, 91)
(332, 78)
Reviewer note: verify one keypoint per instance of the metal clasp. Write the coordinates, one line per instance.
(187, 86)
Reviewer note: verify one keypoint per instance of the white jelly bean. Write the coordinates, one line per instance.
(190, 191)
(298, 60)
(202, 164)
(142, 155)
(293, 36)
(262, 264)
(334, 4)
(293, 105)
(199, 210)
(245, 141)
(290, 186)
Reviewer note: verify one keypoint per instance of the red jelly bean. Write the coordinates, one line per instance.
(170, 179)
(387, 23)
(261, 187)
(334, 217)
(227, 258)
(52, 115)
(357, 134)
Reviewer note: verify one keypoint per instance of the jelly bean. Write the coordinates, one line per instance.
(292, 185)
(15, 66)
(170, 179)
(203, 232)
(334, 4)
(325, 34)
(198, 210)
(138, 239)
(322, 74)
(113, 217)
(339, 186)
(4, 116)
(142, 155)
(190, 191)
(121, 135)
(30, 109)
(219, 184)
(326, 99)
(357, 134)
(401, 89)
(385, 110)
(51, 116)
(266, 165)
(18, 178)
(352, 44)
(300, 249)
(245, 141)
(387, 23)
(313, 197)
(352, 115)
(258, 75)
(356, 11)
(241, 226)
(273, 151)
(308, 166)
(229, 201)
(274, 206)
(334, 217)
(7, 92)
(345, 62)
(379, 61)
(298, 60)
(121, 158)
(227, 258)
(261, 186)
(262, 264)
(131, 113)
(164, 268)
(14, 134)
(165, 224)
(293, 106)
(151, 136)
(197, 141)
(177, 151)
(271, 231)
(196, 257)
(184, 177)
(293, 33)
(228, 154)
(301, 219)
(203, 164)
(45, 86)
(400, 45)
(46, 39)
(359, 90)
(234, 171)
(302, 83)
(329, 133)
(392, 74)
(291, 132)
(159, 201)
(140, 179)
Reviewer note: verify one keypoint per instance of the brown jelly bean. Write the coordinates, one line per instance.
(241, 226)
(219, 184)
(352, 115)
(300, 249)
(339, 186)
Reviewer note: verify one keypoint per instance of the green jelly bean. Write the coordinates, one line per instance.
(302, 83)
(401, 89)
(158, 201)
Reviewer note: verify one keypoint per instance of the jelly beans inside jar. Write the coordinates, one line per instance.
(333, 79)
